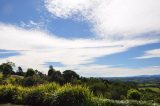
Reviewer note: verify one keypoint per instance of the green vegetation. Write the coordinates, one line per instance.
(52, 94)
(69, 89)
(134, 94)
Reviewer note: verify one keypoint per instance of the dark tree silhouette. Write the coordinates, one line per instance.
(51, 70)
(7, 68)
(30, 72)
(20, 72)
(69, 75)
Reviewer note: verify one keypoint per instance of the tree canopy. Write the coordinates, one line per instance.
(30, 72)
(7, 68)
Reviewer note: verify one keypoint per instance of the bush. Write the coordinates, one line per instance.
(108, 102)
(54, 95)
(32, 81)
(30, 72)
(36, 95)
(7, 93)
(98, 88)
(71, 96)
(133, 94)
(18, 97)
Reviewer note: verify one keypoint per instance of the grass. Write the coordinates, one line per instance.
(52, 94)
(154, 89)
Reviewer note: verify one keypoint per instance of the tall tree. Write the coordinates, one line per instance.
(20, 71)
(69, 75)
(51, 70)
(30, 72)
(7, 68)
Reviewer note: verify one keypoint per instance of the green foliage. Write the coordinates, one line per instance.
(35, 88)
(1, 78)
(20, 72)
(99, 88)
(56, 76)
(7, 93)
(36, 95)
(72, 96)
(7, 68)
(69, 75)
(18, 97)
(108, 102)
(54, 95)
(51, 70)
(30, 72)
(150, 95)
(11, 80)
(32, 81)
(133, 94)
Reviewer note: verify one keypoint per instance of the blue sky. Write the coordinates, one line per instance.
(99, 38)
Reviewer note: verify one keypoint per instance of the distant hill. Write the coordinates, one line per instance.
(141, 78)
(148, 76)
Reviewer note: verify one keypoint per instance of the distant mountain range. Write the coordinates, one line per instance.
(150, 76)
(141, 78)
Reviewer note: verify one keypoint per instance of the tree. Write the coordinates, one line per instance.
(51, 70)
(7, 68)
(32, 81)
(133, 94)
(20, 72)
(57, 77)
(40, 74)
(30, 72)
(54, 75)
(69, 75)
(99, 88)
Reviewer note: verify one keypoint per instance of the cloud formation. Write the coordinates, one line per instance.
(109, 71)
(38, 47)
(150, 54)
(114, 19)
(121, 25)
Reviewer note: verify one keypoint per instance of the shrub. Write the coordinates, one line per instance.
(72, 96)
(133, 94)
(54, 95)
(30, 72)
(98, 88)
(18, 97)
(97, 102)
(7, 93)
(32, 81)
(36, 95)
(108, 102)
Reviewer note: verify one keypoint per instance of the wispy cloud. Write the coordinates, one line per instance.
(95, 70)
(150, 54)
(32, 24)
(118, 24)
(38, 47)
(114, 19)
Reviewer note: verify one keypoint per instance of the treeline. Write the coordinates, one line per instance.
(101, 88)
(33, 77)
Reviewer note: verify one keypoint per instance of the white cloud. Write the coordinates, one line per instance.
(94, 70)
(125, 23)
(106, 71)
(114, 19)
(150, 54)
(121, 23)
(37, 47)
